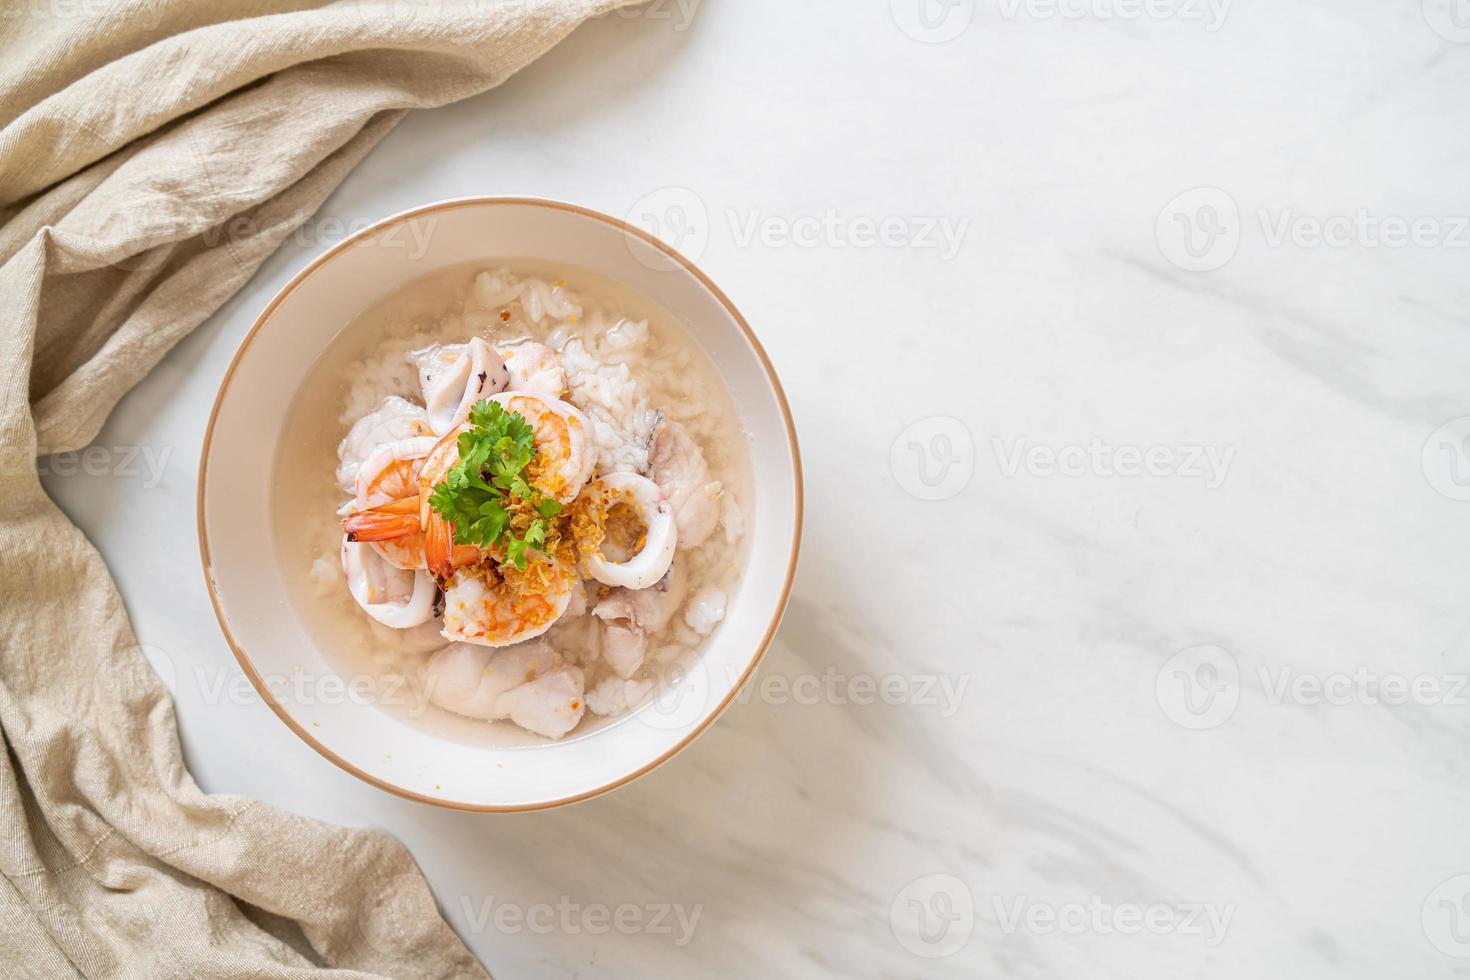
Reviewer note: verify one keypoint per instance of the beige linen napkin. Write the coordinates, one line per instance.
(152, 154)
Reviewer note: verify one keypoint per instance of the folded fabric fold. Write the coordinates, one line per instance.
(152, 155)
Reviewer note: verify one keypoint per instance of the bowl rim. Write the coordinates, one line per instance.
(247, 665)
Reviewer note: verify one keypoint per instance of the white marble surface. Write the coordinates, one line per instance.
(1061, 770)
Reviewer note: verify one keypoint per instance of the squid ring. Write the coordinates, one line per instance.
(371, 580)
(656, 551)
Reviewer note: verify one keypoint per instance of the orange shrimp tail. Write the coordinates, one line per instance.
(439, 547)
(396, 520)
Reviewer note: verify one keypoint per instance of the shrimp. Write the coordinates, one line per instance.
(396, 418)
(455, 377)
(399, 524)
(483, 603)
(391, 472)
(407, 528)
(565, 456)
(639, 529)
(497, 606)
(677, 465)
(389, 475)
(534, 368)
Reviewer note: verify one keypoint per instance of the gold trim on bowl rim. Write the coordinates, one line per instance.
(244, 660)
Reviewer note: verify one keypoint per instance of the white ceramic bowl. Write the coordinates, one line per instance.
(243, 570)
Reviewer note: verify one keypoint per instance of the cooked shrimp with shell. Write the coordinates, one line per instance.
(539, 478)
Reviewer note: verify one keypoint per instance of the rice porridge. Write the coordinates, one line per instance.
(514, 498)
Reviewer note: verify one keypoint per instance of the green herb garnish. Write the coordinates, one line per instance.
(479, 492)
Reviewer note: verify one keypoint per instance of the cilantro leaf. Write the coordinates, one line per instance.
(475, 495)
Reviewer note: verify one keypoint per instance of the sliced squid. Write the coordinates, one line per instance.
(456, 376)
(564, 453)
(500, 606)
(534, 368)
(676, 464)
(395, 597)
(639, 532)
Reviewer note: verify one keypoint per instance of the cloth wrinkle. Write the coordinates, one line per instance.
(153, 155)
